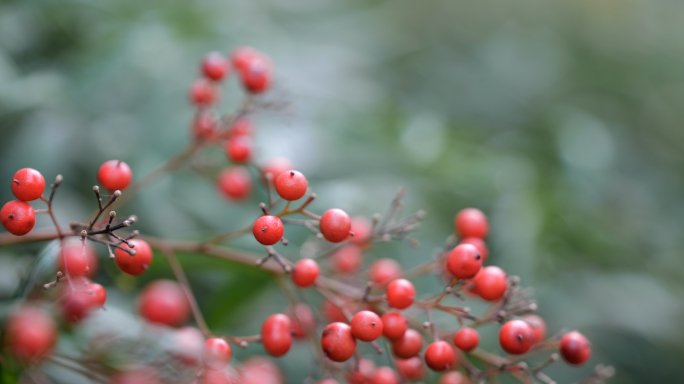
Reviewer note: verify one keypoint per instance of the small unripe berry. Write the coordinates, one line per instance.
(408, 345)
(347, 259)
(394, 325)
(479, 244)
(453, 377)
(137, 264)
(276, 334)
(115, 175)
(400, 293)
(238, 149)
(305, 272)
(491, 283)
(291, 185)
(215, 66)
(204, 126)
(216, 353)
(412, 369)
(337, 342)
(268, 230)
(335, 225)
(363, 373)
(384, 375)
(575, 348)
(77, 259)
(18, 217)
(439, 355)
(538, 327)
(383, 271)
(366, 326)
(164, 302)
(466, 339)
(464, 261)
(516, 337)
(257, 74)
(204, 92)
(30, 334)
(28, 184)
(234, 183)
(471, 222)
(275, 167)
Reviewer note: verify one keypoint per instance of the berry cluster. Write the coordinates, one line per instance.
(359, 309)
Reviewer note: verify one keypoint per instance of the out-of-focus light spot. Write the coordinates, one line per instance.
(585, 142)
(423, 138)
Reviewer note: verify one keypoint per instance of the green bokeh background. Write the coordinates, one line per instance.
(562, 120)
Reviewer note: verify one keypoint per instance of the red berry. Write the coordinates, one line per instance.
(268, 230)
(400, 293)
(204, 126)
(187, 345)
(335, 225)
(302, 319)
(464, 261)
(412, 368)
(215, 66)
(384, 375)
(204, 92)
(234, 183)
(471, 222)
(30, 334)
(363, 373)
(275, 167)
(347, 259)
(366, 326)
(338, 342)
(516, 337)
(291, 185)
(453, 377)
(98, 293)
(137, 264)
(76, 305)
(164, 302)
(242, 56)
(384, 270)
(394, 325)
(242, 126)
(491, 283)
(466, 339)
(275, 334)
(18, 217)
(115, 175)
(223, 376)
(479, 244)
(239, 148)
(28, 184)
(439, 355)
(362, 230)
(408, 345)
(78, 259)
(216, 353)
(305, 272)
(260, 370)
(575, 348)
(256, 75)
(538, 327)
(333, 312)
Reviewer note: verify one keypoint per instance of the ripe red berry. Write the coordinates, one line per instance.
(137, 264)
(302, 319)
(242, 56)
(28, 184)
(256, 75)
(383, 271)
(187, 345)
(439, 355)
(384, 375)
(204, 92)
(363, 373)
(471, 222)
(115, 175)
(362, 230)
(366, 326)
(305, 272)
(575, 348)
(30, 334)
(408, 345)
(204, 126)
(260, 370)
(516, 337)
(479, 244)
(164, 302)
(268, 230)
(76, 305)
(216, 353)
(338, 342)
(464, 261)
(78, 259)
(400, 293)
(394, 325)
(242, 126)
(491, 283)
(466, 339)
(18, 217)
(215, 66)
(291, 185)
(412, 369)
(453, 377)
(234, 183)
(98, 294)
(275, 167)
(275, 334)
(238, 149)
(347, 259)
(538, 327)
(335, 225)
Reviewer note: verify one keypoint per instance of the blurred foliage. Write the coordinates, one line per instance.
(561, 119)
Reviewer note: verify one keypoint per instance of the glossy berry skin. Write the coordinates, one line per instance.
(479, 244)
(18, 217)
(516, 337)
(335, 225)
(268, 230)
(466, 339)
(77, 259)
(257, 74)
(575, 348)
(464, 261)
(305, 272)
(242, 56)
(412, 369)
(538, 327)
(204, 92)
(383, 271)
(291, 185)
(491, 283)
(363, 373)
(238, 149)
(347, 259)
(394, 325)
(439, 355)
(234, 183)
(164, 302)
(384, 375)
(115, 175)
(275, 167)
(275, 334)
(216, 353)
(408, 345)
(97, 293)
(204, 126)
(471, 222)
(30, 334)
(338, 342)
(28, 184)
(366, 326)
(400, 293)
(137, 264)
(215, 66)
(453, 377)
